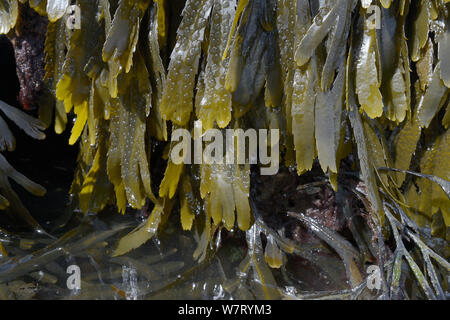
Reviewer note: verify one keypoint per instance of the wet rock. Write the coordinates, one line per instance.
(28, 39)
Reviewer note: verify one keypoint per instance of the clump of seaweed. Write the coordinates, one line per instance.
(347, 97)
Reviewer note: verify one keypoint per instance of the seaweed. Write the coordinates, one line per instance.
(346, 97)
